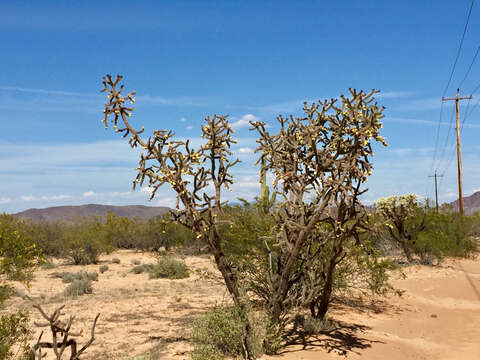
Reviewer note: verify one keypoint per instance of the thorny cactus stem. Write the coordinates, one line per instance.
(64, 330)
(189, 172)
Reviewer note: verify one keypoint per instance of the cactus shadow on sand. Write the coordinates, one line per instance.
(345, 339)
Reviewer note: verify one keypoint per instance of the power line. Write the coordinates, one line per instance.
(452, 153)
(447, 138)
(459, 49)
(470, 67)
(448, 83)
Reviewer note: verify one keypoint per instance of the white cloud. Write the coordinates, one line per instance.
(89, 194)
(187, 101)
(44, 198)
(421, 104)
(170, 202)
(245, 150)
(189, 127)
(147, 190)
(402, 151)
(183, 119)
(5, 200)
(394, 94)
(41, 91)
(425, 122)
(244, 121)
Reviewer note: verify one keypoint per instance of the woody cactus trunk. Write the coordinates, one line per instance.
(324, 154)
(189, 172)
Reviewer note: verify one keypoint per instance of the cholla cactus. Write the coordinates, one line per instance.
(189, 172)
(398, 212)
(325, 154)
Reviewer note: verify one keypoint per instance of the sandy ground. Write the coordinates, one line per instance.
(438, 316)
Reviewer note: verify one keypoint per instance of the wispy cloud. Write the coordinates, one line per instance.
(20, 98)
(160, 100)
(427, 122)
(245, 150)
(44, 198)
(244, 121)
(5, 200)
(43, 91)
(420, 104)
(394, 94)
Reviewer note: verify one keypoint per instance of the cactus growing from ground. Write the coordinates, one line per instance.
(188, 172)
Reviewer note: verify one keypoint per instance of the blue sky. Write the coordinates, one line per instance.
(250, 60)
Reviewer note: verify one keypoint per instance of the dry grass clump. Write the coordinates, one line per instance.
(68, 277)
(78, 288)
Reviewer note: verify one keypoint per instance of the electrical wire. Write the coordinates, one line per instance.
(469, 68)
(448, 84)
(459, 49)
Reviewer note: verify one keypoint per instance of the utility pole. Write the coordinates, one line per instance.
(436, 189)
(457, 98)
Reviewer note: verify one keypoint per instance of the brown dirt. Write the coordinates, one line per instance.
(437, 317)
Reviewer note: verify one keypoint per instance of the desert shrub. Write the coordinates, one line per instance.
(314, 326)
(48, 236)
(139, 269)
(424, 235)
(85, 242)
(79, 287)
(103, 268)
(121, 231)
(14, 336)
(19, 256)
(248, 224)
(116, 260)
(68, 277)
(136, 262)
(168, 267)
(163, 231)
(219, 333)
(445, 235)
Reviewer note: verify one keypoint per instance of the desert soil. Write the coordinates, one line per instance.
(437, 317)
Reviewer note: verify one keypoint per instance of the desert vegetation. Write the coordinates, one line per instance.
(303, 244)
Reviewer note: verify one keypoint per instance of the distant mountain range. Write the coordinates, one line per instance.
(471, 204)
(73, 213)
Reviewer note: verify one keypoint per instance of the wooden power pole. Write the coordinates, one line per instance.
(457, 98)
(436, 189)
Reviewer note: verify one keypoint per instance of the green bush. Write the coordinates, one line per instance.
(14, 336)
(219, 333)
(446, 235)
(19, 256)
(86, 241)
(168, 267)
(136, 262)
(424, 235)
(79, 287)
(103, 268)
(116, 260)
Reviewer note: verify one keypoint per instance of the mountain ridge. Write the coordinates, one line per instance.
(72, 213)
(471, 204)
